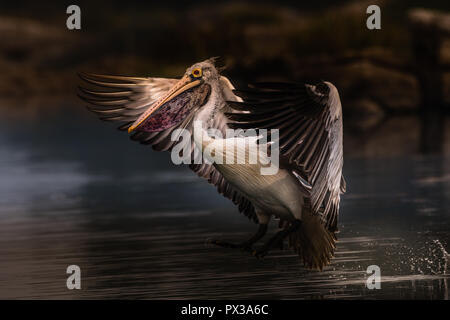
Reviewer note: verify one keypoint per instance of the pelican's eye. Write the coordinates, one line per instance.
(197, 73)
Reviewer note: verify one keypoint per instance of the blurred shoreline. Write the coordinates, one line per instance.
(381, 97)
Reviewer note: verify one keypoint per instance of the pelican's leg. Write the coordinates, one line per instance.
(277, 239)
(246, 245)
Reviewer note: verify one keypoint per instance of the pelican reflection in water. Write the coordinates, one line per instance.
(303, 194)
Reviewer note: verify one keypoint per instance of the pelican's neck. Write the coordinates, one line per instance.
(204, 119)
(206, 114)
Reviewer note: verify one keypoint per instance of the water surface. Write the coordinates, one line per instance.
(75, 191)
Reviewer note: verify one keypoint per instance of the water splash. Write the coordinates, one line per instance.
(445, 255)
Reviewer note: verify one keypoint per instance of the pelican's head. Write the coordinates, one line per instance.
(204, 71)
(192, 90)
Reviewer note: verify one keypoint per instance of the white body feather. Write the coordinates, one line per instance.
(276, 194)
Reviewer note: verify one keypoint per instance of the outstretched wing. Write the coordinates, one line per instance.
(309, 119)
(124, 99)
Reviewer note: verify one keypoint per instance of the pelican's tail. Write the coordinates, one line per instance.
(313, 242)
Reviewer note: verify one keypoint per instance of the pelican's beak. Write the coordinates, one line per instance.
(184, 84)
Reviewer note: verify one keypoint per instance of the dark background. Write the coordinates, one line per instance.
(380, 73)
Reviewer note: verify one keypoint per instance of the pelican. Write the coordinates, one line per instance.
(303, 193)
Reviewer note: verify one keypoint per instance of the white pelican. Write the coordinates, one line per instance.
(304, 193)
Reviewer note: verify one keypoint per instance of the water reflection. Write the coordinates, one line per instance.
(74, 192)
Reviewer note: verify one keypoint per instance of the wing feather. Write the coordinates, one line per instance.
(124, 99)
(309, 118)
